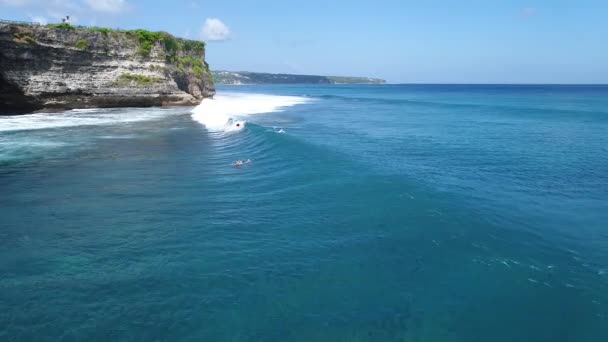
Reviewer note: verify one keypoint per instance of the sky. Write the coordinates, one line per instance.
(402, 41)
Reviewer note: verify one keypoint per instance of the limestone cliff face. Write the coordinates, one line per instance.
(43, 67)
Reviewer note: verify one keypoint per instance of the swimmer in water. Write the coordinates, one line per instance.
(231, 123)
(239, 163)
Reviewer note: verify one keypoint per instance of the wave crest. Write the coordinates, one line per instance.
(227, 111)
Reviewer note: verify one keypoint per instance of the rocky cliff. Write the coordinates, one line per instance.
(65, 67)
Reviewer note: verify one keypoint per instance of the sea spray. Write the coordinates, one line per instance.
(227, 111)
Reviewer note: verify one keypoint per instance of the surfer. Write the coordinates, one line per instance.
(239, 163)
(233, 124)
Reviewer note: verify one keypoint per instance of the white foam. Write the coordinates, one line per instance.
(214, 114)
(80, 117)
(226, 110)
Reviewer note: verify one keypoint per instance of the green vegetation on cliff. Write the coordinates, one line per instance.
(24, 38)
(173, 46)
(185, 55)
(182, 53)
(65, 26)
(104, 30)
(141, 80)
(147, 39)
(82, 44)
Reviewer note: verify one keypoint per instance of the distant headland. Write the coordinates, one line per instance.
(245, 77)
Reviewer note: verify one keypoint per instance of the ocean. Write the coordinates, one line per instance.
(366, 213)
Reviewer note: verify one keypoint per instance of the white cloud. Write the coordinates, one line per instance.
(215, 30)
(110, 6)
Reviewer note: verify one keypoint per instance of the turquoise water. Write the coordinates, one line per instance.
(379, 213)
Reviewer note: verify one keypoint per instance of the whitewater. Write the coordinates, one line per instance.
(44, 134)
(221, 113)
(228, 111)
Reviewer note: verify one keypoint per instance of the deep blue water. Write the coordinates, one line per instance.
(383, 213)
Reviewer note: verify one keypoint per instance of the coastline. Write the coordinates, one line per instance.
(48, 68)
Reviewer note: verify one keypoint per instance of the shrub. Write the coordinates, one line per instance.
(172, 45)
(190, 61)
(103, 30)
(22, 37)
(194, 46)
(126, 78)
(157, 67)
(146, 40)
(82, 44)
(198, 71)
(66, 26)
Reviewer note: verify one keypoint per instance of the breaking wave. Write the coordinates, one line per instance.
(228, 111)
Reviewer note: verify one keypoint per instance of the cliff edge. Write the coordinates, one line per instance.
(66, 67)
